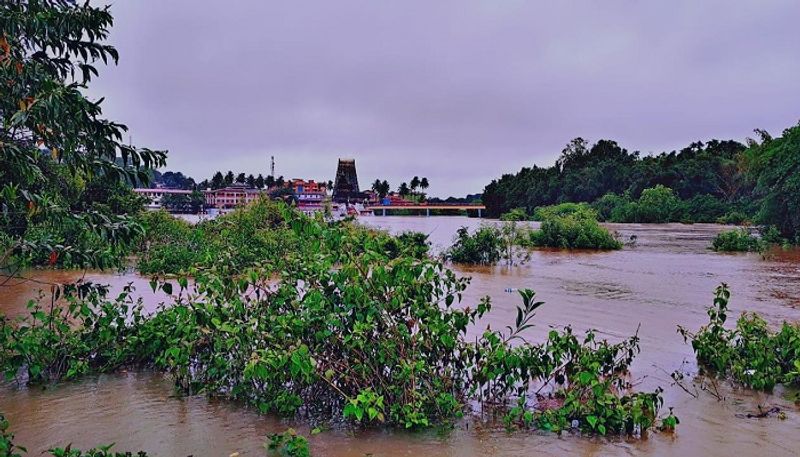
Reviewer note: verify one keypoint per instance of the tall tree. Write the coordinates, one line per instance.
(260, 181)
(217, 181)
(251, 181)
(423, 183)
(48, 53)
(414, 183)
(229, 178)
(403, 190)
(240, 178)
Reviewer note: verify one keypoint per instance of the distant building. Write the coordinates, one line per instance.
(232, 196)
(154, 196)
(310, 191)
(345, 188)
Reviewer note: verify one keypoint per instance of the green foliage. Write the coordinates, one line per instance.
(580, 210)
(288, 444)
(7, 446)
(737, 240)
(657, 204)
(586, 174)
(340, 330)
(516, 214)
(56, 150)
(575, 230)
(734, 218)
(88, 334)
(751, 354)
(774, 166)
(484, 246)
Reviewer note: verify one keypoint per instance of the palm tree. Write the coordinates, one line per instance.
(414, 183)
(423, 184)
(403, 190)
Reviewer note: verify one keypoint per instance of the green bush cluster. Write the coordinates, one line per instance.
(341, 330)
(751, 353)
(516, 214)
(582, 210)
(253, 235)
(484, 246)
(288, 444)
(737, 240)
(571, 226)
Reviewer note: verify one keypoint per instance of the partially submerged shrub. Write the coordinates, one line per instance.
(751, 353)
(737, 240)
(483, 246)
(576, 231)
(341, 332)
(288, 444)
(490, 244)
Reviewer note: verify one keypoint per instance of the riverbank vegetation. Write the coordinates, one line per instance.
(751, 354)
(342, 331)
(250, 236)
(717, 181)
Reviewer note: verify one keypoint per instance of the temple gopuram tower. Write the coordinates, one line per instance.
(345, 188)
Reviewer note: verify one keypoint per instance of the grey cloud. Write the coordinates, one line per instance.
(459, 91)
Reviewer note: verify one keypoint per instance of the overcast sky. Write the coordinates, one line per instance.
(460, 92)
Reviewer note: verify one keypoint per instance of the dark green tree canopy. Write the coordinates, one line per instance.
(52, 135)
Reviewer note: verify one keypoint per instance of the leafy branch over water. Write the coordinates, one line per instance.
(751, 353)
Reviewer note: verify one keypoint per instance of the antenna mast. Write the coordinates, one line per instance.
(272, 166)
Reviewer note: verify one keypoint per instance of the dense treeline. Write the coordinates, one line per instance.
(702, 182)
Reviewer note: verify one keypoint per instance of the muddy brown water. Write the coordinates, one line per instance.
(666, 279)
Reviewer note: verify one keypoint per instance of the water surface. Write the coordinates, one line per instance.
(666, 279)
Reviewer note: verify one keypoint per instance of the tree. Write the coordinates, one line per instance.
(414, 183)
(269, 181)
(228, 178)
(774, 166)
(403, 190)
(240, 178)
(280, 182)
(260, 181)
(376, 186)
(423, 183)
(251, 181)
(217, 181)
(48, 52)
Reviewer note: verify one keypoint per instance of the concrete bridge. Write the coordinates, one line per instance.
(427, 208)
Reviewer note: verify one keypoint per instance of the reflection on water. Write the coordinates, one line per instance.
(667, 279)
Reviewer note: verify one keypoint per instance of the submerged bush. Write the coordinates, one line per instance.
(737, 240)
(340, 332)
(751, 354)
(288, 444)
(579, 230)
(484, 246)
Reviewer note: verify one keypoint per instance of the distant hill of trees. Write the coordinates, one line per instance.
(760, 179)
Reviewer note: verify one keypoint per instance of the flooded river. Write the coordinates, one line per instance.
(666, 279)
